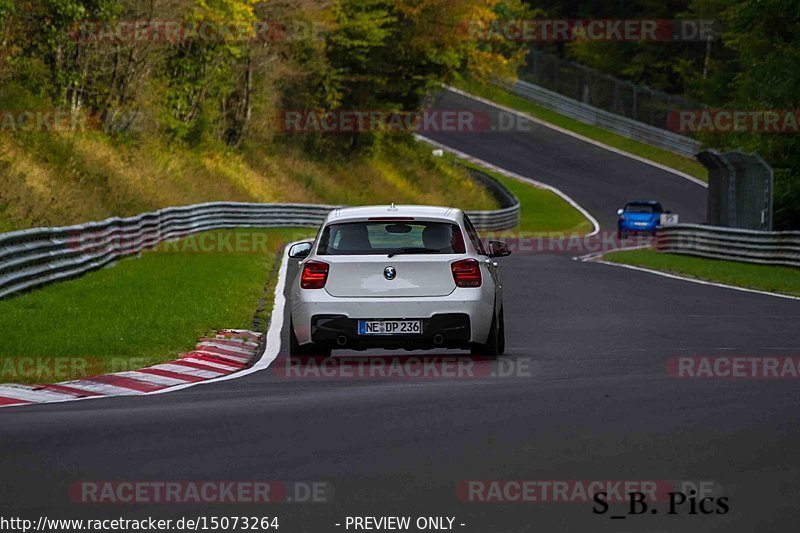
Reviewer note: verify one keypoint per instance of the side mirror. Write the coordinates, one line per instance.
(619, 212)
(498, 249)
(300, 250)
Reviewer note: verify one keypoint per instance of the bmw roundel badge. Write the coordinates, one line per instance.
(389, 273)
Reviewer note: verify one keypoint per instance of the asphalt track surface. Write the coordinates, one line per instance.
(591, 399)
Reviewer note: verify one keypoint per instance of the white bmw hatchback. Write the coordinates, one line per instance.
(397, 277)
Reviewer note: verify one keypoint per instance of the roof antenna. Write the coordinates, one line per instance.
(392, 207)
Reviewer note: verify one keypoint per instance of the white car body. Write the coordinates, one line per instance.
(361, 287)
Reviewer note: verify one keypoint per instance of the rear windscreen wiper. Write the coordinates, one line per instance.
(413, 251)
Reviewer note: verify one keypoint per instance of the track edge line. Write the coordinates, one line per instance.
(587, 259)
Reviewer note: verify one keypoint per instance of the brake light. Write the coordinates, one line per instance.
(466, 273)
(315, 274)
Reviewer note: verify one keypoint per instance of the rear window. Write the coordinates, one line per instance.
(372, 237)
(642, 208)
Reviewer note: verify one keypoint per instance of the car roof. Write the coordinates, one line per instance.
(417, 211)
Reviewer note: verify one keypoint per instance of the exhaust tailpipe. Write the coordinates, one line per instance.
(438, 338)
(341, 340)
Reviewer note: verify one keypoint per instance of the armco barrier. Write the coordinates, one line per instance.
(36, 257)
(764, 247)
(605, 119)
(506, 217)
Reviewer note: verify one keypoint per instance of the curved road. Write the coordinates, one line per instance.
(589, 398)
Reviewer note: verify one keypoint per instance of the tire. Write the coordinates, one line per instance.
(621, 235)
(305, 351)
(493, 347)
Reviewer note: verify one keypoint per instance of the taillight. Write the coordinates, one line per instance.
(467, 273)
(315, 274)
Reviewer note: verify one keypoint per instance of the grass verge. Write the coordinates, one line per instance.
(141, 311)
(543, 212)
(783, 280)
(59, 179)
(504, 97)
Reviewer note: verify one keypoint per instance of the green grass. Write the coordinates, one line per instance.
(62, 179)
(146, 310)
(784, 280)
(543, 212)
(504, 97)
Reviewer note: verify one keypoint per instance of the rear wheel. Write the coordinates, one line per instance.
(495, 342)
(296, 350)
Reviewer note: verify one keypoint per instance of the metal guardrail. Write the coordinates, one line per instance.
(588, 114)
(36, 257)
(598, 89)
(780, 248)
(507, 217)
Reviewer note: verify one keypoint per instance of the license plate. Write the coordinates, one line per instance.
(389, 327)
(669, 219)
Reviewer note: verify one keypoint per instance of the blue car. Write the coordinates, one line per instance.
(640, 216)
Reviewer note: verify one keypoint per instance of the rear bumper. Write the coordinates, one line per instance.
(473, 306)
(631, 227)
(450, 330)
